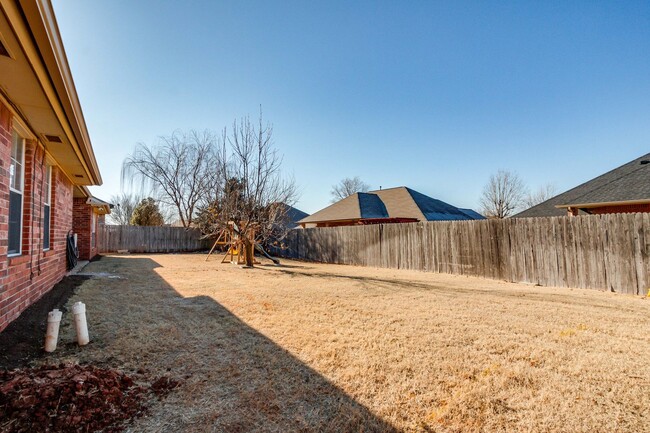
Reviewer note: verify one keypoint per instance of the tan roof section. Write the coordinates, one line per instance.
(346, 209)
(399, 203)
(390, 204)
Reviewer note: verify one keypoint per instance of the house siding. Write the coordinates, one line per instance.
(27, 277)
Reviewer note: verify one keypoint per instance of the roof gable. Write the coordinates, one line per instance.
(399, 203)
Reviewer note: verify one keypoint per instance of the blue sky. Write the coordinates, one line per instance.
(431, 95)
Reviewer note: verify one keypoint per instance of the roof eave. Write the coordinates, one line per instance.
(44, 29)
(328, 221)
(602, 204)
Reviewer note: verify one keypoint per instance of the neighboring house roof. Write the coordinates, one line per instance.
(342, 210)
(627, 184)
(294, 215)
(38, 89)
(472, 213)
(392, 203)
(371, 206)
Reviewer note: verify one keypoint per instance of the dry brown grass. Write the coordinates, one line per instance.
(311, 347)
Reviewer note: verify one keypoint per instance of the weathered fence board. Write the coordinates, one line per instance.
(154, 239)
(605, 252)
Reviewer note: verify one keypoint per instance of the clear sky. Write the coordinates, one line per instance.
(434, 95)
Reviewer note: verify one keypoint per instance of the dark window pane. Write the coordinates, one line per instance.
(15, 216)
(46, 227)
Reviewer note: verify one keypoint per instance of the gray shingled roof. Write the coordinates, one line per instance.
(437, 210)
(400, 202)
(293, 215)
(371, 206)
(628, 182)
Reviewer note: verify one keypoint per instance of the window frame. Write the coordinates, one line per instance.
(47, 202)
(93, 228)
(21, 192)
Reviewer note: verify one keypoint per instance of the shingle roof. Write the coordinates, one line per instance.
(628, 182)
(346, 209)
(294, 215)
(371, 206)
(436, 210)
(472, 213)
(400, 202)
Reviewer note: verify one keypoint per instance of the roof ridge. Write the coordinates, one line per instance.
(387, 189)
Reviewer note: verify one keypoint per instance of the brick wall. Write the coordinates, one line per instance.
(25, 278)
(632, 208)
(82, 226)
(5, 157)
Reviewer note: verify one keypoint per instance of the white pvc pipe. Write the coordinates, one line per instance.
(79, 311)
(52, 333)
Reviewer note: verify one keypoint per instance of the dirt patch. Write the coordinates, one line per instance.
(22, 341)
(73, 398)
(97, 258)
(163, 386)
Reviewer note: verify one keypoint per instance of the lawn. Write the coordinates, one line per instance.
(313, 347)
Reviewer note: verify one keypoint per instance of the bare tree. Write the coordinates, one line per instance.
(180, 170)
(347, 187)
(123, 209)
(251, 193)
(503, 194)
(544, 193)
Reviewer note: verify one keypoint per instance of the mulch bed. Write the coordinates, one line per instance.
(73, 398)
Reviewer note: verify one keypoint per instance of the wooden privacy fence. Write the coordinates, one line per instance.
(605, 252)
(154, 239)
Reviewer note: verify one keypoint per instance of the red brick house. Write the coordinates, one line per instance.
(88, 214)
(46, 158)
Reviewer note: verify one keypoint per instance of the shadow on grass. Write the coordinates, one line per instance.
(236, 379)
(569, 298)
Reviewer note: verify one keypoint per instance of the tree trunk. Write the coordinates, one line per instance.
(249, 253)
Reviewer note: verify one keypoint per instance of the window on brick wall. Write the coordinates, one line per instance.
(16, 188)
(47, 214)
(93, 228)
